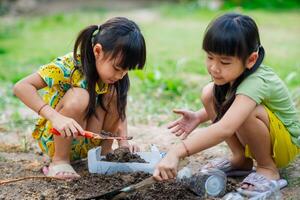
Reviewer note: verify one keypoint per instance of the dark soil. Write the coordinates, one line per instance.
(122, 155)
(88, 185)
(167, 190)
(15, 164)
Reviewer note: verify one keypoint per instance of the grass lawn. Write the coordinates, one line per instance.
(175, 71)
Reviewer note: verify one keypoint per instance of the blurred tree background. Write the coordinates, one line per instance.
(33, 32)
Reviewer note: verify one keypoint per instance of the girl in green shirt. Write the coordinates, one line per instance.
(249, 106)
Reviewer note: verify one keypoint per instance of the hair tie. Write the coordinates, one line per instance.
(97, 30)
(95, 33)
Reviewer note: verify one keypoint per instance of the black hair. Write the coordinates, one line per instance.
(118, 36)
(232, 35)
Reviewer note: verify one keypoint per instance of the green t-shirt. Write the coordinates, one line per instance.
(265, 87)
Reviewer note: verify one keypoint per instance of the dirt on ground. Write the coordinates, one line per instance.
(88, 186)
(22, 177)
(15, 163)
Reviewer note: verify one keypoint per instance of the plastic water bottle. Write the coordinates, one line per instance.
(215, 184)
(210, 182)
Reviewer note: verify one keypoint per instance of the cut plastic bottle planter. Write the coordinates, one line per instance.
(96, 164)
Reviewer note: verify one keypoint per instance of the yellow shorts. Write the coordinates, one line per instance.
(284, 150)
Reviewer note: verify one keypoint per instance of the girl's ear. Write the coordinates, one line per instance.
(98, 51)
(251, 60)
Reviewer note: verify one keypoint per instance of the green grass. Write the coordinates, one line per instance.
(270, 4)
(2, 159)
(175, 71)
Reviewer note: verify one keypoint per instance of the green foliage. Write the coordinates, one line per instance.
(153, 80)
(174, 72)
(2, 159)
(270, 4)
(245, 4)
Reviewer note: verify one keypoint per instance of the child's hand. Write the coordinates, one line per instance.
(67, 127)
(133, 148)
(167, 167)
(184, 125)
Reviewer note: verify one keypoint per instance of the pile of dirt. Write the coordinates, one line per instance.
(123, 154)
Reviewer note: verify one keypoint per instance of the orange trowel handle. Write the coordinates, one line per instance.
(87, 133)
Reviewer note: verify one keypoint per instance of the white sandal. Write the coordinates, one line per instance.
(225, 165)
(62, 171)
(261, 186)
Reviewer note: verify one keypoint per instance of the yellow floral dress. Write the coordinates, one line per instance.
(57, 76)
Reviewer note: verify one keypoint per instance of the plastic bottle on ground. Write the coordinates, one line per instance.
(210, 182)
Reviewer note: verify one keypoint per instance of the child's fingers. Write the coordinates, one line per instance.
(172, 124)
(175, 129)
(180, 132)
(170, 174)
(179, 111)
(184, 135)
(68, 132)
(164, 174)
(79, 128)
(156, 175)
(74, 131)
(174, 172)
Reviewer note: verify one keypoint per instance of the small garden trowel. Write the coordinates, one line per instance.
(102, 136)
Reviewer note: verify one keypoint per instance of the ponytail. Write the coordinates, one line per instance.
(84, 41)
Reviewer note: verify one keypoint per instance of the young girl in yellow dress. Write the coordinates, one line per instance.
(84, 90)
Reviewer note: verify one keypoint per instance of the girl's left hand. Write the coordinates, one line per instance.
(183, 126)
(133, 148)
(167, 167)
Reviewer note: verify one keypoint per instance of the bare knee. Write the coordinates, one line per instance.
(76, 100)
(259, 114)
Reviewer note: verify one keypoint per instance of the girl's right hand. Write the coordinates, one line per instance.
(186, 124)
(167, 167)
(67, 126)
